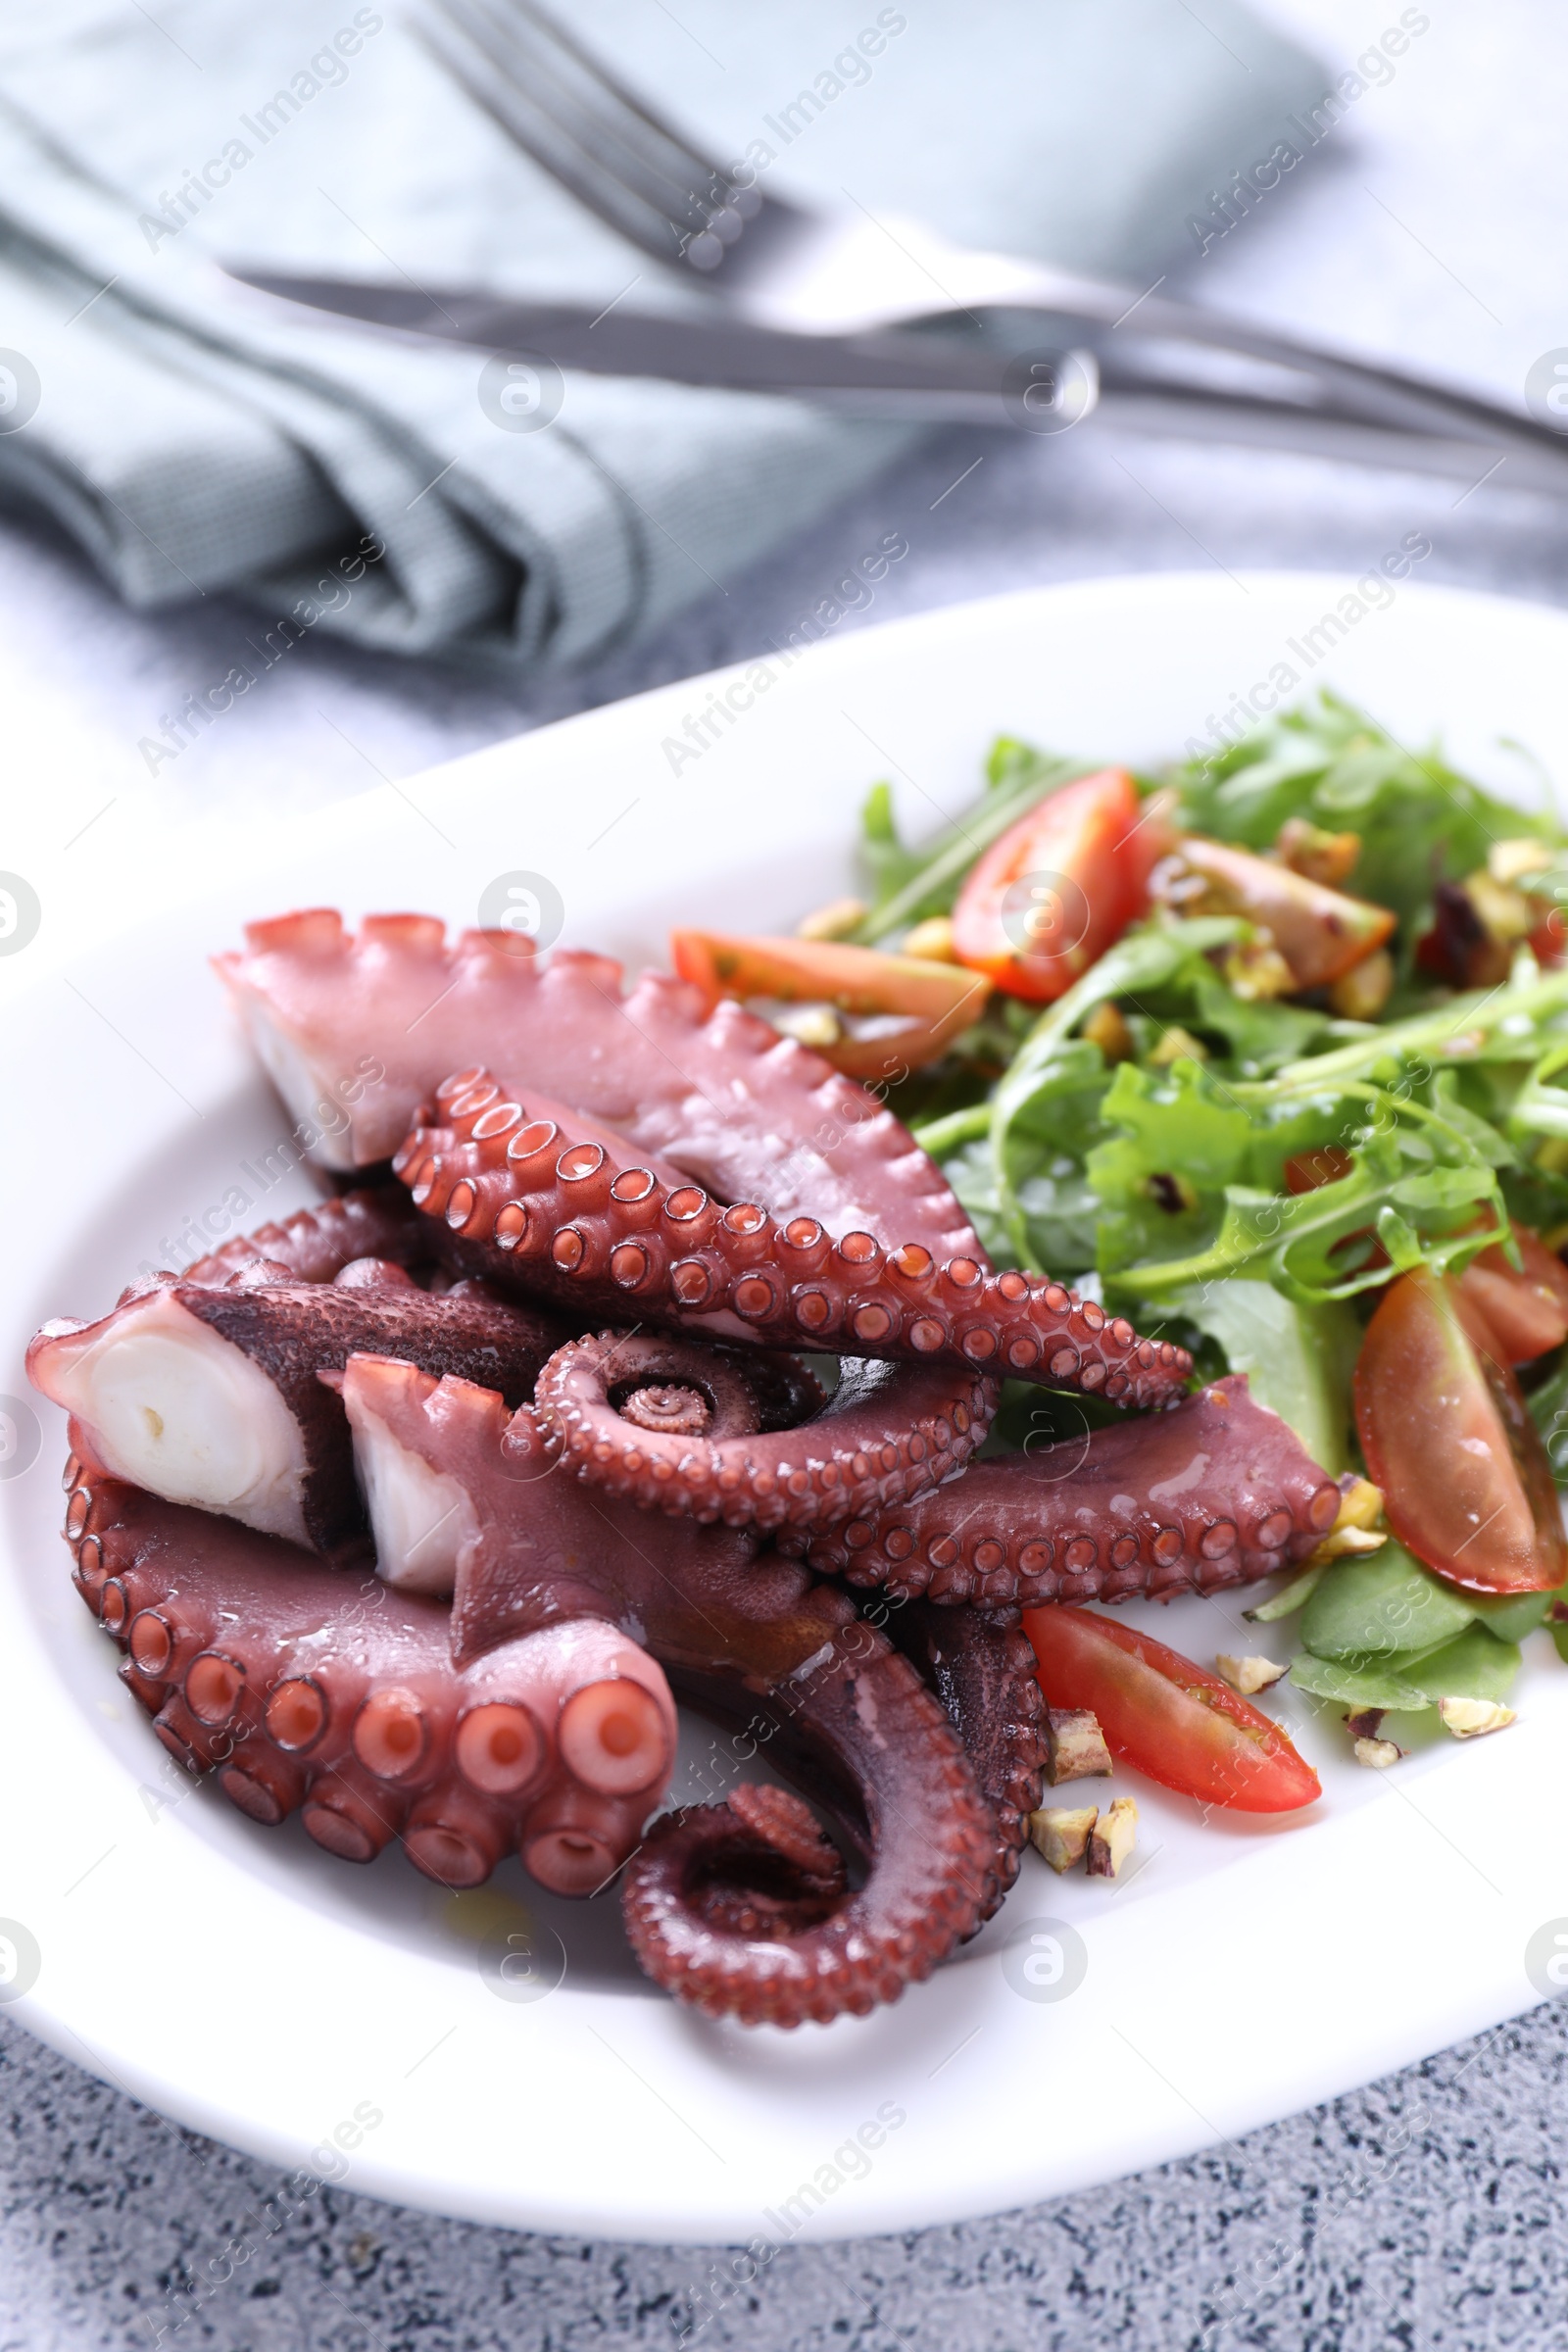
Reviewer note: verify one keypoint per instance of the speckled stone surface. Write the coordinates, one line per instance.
(1428, 2212)
(1425, 2214)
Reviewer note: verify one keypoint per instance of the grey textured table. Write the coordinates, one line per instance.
(1427, 2211)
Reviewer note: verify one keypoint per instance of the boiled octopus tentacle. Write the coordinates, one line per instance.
(215, 1396)
(678, 1427)
(372, 1225)
(738, 1908)
(1217, 1492)
(366, 1027)
(734, 1907)
(553, 1216)
(337, 1697)
(982, 1666)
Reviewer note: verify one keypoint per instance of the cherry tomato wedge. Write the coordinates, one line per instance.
(1447, 1436)
(1320, 932)
(1526, 1312)
(1165, 1716)
(1045, 900)
(918, 1006)
(1329, 1164)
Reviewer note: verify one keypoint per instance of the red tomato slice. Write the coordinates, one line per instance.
(1526, 1312)
(921, 1005)
(1045, 900)
(1447, 1436)
(1330, 1163)
(1163, 1714)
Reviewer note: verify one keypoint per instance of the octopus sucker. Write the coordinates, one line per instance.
(215, 1396)
(374, 1021)
(737, 1438)
(516, 1218)
(981, 1665)
(725, 1910)
(1217, 1492)
(373, 1225)
(752, 1638)
(337, 1698)
(413, 1515)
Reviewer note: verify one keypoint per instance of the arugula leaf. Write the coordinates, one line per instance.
(1418, 1194)
(1548, 1409)
(1379, 1685)
(1297, 1359)
(888, 863)
(1381, 1604)
(1474, 1665)
(1477, 1665)
(1419, 819)
(909, 885)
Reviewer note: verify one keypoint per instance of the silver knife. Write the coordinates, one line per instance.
(919, 376)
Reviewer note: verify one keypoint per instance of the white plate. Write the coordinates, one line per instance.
(242, 1982)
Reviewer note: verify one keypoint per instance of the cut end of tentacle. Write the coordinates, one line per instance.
(169, 1405)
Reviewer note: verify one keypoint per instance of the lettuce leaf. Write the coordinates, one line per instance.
(1420, 820)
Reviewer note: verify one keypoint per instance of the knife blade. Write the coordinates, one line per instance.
(924, 376)
(905, 374)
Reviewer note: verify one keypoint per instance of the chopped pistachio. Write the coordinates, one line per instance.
(1061, 1832)
(1113, 1837)
(1106, 1029)
(1503, 913)
(1360, 994)
(836, 920)
(1075, 1746)
(1379, 1754)
(1360, 1504)
(1472, 1718)
(1366, 1723)
(1256, 970)
(1511, 861)
(1343, 1541)
(932, 940)
(809, 1024)
(1251, 1675)
(1355, 1528)
(1306, 848)
(1177, 1044)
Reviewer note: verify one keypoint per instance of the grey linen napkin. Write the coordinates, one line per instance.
(193, 439)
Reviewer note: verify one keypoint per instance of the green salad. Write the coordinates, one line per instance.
(1187, 1121)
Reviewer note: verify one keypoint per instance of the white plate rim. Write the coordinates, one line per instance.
(1162, 2055)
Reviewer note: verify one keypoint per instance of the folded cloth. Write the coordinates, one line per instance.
(194, 438)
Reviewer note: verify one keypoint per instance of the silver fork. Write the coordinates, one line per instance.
(813, 272)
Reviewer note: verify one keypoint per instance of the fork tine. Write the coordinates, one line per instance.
(584, 125)
(605, 77)
(615, 139)
(644, 225)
